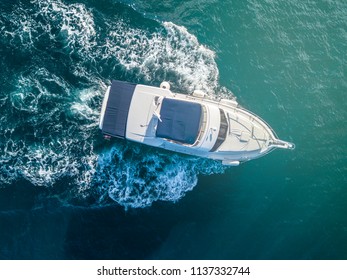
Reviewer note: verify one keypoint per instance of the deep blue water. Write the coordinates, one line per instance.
(65, 193)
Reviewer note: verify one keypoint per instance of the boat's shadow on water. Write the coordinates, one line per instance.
(163, 230)
(47, 230)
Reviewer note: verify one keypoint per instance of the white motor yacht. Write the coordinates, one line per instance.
(190, 124)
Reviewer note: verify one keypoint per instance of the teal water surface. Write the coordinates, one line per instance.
(65, 193)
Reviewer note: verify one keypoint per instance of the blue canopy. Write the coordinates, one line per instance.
(117, 108)
(180, 120)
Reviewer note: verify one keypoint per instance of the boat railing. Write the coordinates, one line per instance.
(277, 143)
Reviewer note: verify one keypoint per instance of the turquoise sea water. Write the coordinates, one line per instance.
(65, 193)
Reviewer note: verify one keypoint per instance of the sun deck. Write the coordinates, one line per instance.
(180, 121)
(117, 108)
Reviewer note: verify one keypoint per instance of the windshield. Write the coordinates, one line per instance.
(223, 129)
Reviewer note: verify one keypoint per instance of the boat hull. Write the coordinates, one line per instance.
(190, 124)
